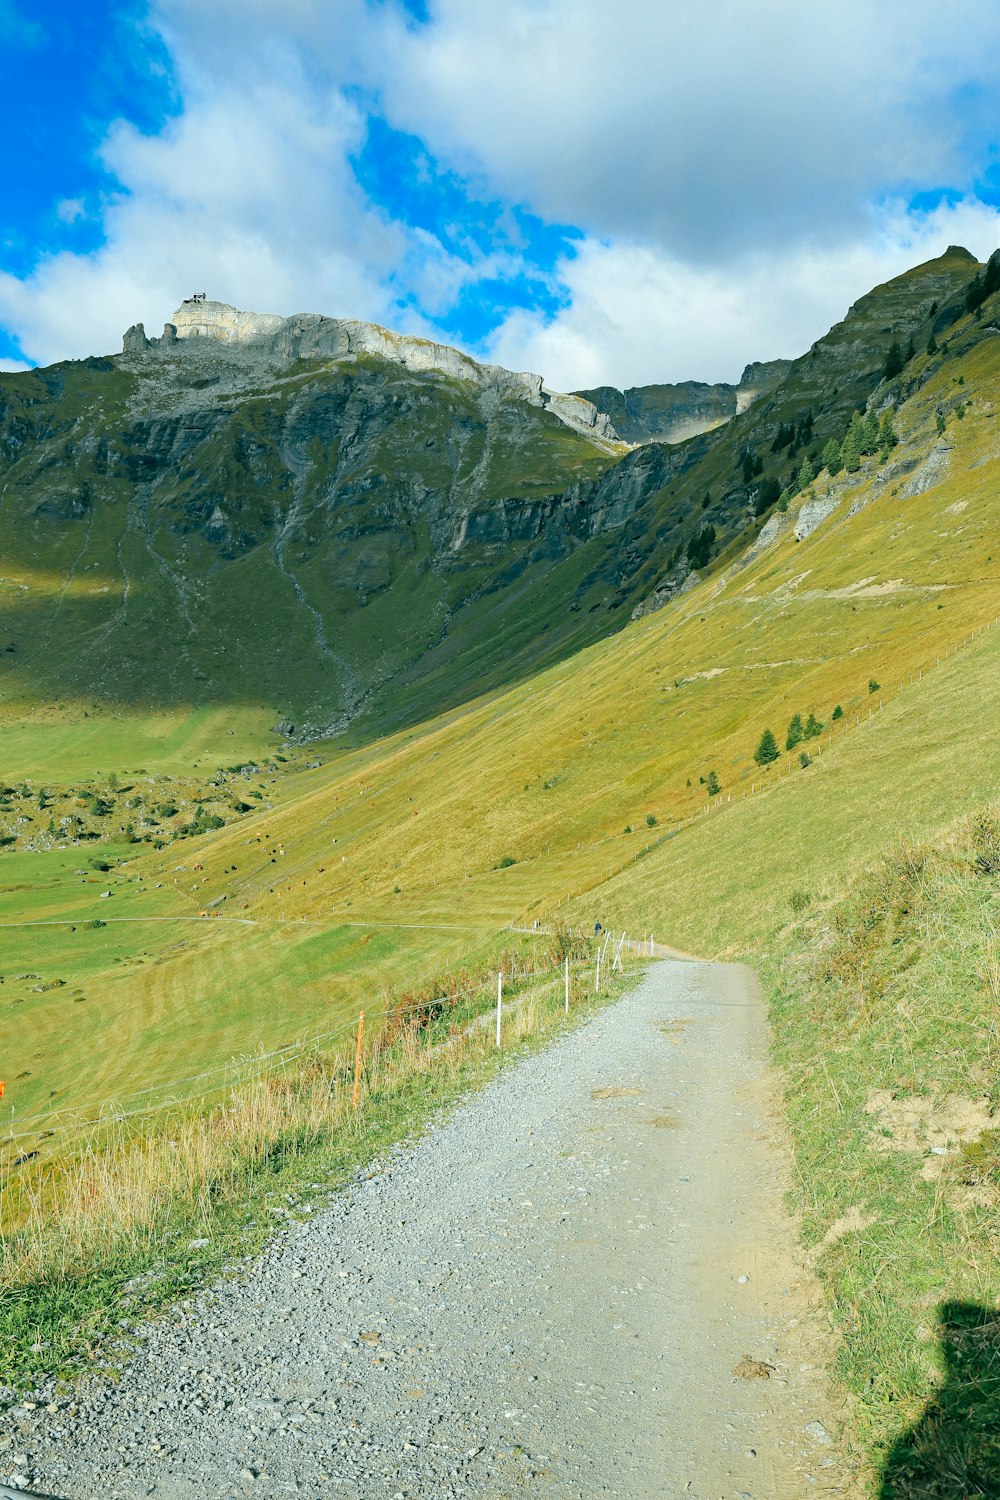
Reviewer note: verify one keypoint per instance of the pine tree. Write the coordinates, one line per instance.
(893, 362)
(767, 750)
(807, 473)
(831, 457)
(910, 350)
(712, 785)
(794, 735)
(850, 448)
(838, 712)
(869, 433)
(813, 728)
(932, 344)
(886, 430)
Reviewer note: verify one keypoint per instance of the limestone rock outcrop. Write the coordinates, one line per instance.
(308, 336)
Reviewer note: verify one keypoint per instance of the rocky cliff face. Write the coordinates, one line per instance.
(672, 413)
(342, 525)
(310, 336)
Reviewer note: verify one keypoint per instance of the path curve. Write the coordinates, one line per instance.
(546, 1295)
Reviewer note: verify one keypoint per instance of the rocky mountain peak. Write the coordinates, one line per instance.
(269, 337)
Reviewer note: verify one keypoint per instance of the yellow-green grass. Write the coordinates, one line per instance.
(413, 830)
(151, 1207)
(885, 1015)
(724, 885)
(62, 742)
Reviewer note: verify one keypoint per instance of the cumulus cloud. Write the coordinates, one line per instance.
(249, 193)
(637, 316)
(702, 129)
(739, 172)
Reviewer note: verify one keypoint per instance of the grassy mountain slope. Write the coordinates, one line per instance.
(356, 544)
(511, 806)
(376, 866)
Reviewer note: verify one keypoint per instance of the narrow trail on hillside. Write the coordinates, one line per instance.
(548, 1294)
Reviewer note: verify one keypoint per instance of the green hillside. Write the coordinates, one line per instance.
(535, 762)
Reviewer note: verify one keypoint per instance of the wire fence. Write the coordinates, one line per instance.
(232, 1073)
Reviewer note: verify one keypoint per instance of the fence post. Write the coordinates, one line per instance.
(597, 975)
(357, 1061)
(499, 1002)
(567, 985)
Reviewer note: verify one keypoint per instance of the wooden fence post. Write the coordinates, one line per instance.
(499, 1003)
(357, 1061)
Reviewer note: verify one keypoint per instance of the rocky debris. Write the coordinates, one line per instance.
(812, 514)
(931, 472)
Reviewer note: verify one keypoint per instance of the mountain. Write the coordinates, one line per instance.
(671, 413)
(345, 529)
(495, 778)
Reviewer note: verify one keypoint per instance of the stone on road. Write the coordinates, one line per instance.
(549, 1293)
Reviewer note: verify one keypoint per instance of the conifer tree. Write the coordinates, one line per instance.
(831, 457)
(813, 728)
(893, 362)
(932, 344)
(767, 750)
(869, 433)
(794, 735)
(806, 473)
(850, 448)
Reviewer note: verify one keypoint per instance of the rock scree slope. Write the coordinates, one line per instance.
(555, 1292)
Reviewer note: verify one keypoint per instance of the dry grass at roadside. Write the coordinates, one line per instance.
(885, 1015)
(143, 1211)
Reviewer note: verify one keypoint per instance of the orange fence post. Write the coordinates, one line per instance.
(357, 1061)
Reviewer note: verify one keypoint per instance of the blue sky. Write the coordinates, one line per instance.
(604, 194)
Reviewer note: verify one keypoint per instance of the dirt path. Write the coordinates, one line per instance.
(547, 1295)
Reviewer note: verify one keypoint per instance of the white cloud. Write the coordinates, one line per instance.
(249, 194)
(636, 316)
(703, 129)
(726, 164)
(68, 210)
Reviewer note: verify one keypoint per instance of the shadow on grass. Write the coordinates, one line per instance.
(953, 1452)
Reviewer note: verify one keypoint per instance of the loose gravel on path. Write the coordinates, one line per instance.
(546, 1295)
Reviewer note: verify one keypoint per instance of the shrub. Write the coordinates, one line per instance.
(805, 759)
(986, 843)
(712, 785)
(798, 901)
(873, 686)
(838, 713)
(650, 820)
(504, 862)
(767, 749)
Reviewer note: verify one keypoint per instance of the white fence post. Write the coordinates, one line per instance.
(499, 1002)
(567, 986)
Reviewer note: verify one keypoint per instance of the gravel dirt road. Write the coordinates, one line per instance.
(547, 1295)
